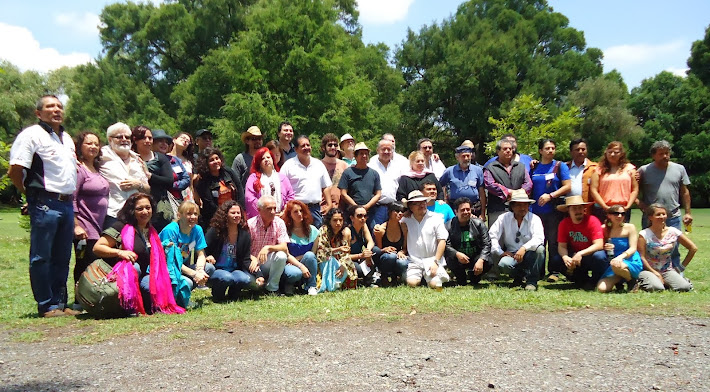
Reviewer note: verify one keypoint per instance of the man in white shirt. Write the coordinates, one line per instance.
(431, 160)
(309, 179)
(517, 239)
(425, 238)
(45, 153)
(389, 172)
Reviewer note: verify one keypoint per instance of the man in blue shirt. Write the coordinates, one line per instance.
(465, 179)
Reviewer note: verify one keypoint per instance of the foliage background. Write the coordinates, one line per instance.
(492, 67)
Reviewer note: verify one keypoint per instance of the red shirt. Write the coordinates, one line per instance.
(579, 236)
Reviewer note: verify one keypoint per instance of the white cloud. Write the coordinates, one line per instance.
(383, 11)
(24, 51)
(683, 72)
(86, 23)
(630, 55)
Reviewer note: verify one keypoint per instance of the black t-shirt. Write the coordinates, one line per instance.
(139, 246)
(361, 184)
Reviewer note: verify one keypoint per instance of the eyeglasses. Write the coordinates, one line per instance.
(617, 213)
(122, 137)
(517, 237)
(273, 188)
(360, 216)
(427, 147)
(332, 145)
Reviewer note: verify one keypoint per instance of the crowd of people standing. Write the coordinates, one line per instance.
(168, 212)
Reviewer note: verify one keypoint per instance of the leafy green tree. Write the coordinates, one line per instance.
(296, 60)
(603, 102)
(699, 61)
(530, 120)
(461, 72)
(17, 102)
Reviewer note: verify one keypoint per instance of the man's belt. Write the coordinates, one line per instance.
(50, 195)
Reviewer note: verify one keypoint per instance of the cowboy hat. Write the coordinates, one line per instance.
(159, 134)
(252, 131)
(519, 196)
(361, 146)
(415, 196)
(572, 201)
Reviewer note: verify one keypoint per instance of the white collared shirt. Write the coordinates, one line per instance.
(58, 157)
(307, 181)
(423, 237)
(389, 179)
(575, 174)
(115, 170)
(504, 233)
(437, 167)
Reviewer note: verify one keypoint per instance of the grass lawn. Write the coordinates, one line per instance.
(18, 313)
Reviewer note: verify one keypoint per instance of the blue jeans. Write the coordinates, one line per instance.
(529, 268)
(596, 263)
(51, 235)
(221, 280)
(379, 215)
(209, 270)
(310, 261)
(315, 213)
(390, 266)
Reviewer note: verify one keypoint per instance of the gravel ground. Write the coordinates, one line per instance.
(493, 350)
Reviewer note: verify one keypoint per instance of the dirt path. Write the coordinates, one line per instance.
(494, 350)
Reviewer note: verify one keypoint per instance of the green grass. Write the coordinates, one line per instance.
(18, 313)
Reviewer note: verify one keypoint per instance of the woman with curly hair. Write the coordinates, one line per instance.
(614, 182)
(335, 268)
(304, 242)
(265, 179)
(228, 247)
(134, 239)
(217, 184)
(90, 200)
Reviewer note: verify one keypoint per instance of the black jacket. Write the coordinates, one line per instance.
(208, 186)
(478, 230)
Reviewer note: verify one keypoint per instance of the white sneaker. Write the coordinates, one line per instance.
(313, 291)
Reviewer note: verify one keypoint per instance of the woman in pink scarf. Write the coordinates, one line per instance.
(418, 175)
(133, 247)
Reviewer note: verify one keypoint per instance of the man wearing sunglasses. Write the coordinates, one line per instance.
(517, 239)
(335, 166)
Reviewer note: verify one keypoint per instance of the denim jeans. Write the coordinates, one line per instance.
(220, 280)
(390, 266)
(596, 263)
(315, 213)
(209, 270)
(51, 235)
(310, 261)
(379, 215)
(528, 268)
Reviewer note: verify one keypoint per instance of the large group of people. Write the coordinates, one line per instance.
(281, 221)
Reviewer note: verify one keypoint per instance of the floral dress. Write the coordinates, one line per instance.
(329, 262)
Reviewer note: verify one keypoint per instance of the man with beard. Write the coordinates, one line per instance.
(252, 139)
(334, 165)
(465, 179)
(285, 134)
(122, 168)
(347, 149)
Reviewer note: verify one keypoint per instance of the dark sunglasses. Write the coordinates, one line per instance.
(360, 216)
(332, 145)
(617, 213)
(517, 237)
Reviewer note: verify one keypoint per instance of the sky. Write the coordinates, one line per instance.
(639, 38)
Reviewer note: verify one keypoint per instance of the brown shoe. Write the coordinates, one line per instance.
(71, 312)
(54, 313)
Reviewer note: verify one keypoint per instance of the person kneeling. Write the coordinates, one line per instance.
(424, 243)
(517, 237)
(468, 246)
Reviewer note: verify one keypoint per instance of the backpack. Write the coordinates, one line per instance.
(98, 295)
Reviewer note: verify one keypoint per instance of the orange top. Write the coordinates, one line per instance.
(615, 188)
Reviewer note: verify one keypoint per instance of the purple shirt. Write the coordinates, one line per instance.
(90, 201)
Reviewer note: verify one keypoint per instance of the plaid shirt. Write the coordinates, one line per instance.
(262, 236)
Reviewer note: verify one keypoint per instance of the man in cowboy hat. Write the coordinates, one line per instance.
(580, 245)
(425, 238)
(517, 239)
(465, 179)
(360, 184)
(252, 139)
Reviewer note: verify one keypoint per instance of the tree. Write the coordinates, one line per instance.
(17, 102)
(295, 60)
(603, 102)
(699, 61)
(530, 121)
(460, 73)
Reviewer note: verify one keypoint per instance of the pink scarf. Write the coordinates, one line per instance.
(161, 290)
(421, 174)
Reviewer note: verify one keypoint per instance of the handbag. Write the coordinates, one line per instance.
(97, 293)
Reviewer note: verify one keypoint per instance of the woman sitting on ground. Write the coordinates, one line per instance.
(362, 247)
(391, 261)
(304, 242)
(228, 248)
(621, 239)
(656, 245)
(180, 239)
(335, 268)
(134, 239)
